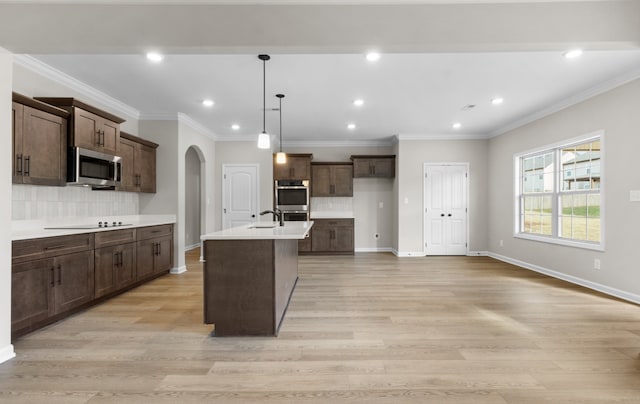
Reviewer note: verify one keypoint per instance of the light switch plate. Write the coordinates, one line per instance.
(634, 196)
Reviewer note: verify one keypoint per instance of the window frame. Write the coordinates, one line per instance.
(557, 192)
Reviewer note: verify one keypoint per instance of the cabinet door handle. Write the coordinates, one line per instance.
(102, 137)
(59, 274)
(53, 283)
(374, 170)
(27, 163)
(98, 137)
(19, 164)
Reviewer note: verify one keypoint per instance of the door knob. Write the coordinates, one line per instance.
(253, 215)
(449, 215)
(442, 214)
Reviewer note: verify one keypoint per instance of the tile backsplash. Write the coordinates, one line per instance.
(332, 204)
(30, 202)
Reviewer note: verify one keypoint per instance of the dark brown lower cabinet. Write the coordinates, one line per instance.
(114, 268)
(53, 277)
(45, 288)
(332, 236)
(154, 253)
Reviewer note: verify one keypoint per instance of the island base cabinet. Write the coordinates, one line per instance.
(248, 284)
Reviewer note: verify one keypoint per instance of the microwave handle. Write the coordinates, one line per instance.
(119, 172)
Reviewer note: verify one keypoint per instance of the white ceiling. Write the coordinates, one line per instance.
(415, 89)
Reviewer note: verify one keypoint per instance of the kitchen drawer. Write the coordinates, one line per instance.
(145, 233)
(32, 249)
(332, 222)
(115, 237)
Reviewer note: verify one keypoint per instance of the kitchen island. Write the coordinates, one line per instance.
(250, 273)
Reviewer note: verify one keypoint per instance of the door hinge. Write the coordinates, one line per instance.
(425, 244)
(466, 175)
(224, 176)
(466, 245)
(426, 175)
(465, 210)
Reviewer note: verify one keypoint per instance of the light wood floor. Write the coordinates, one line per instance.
(372, 328)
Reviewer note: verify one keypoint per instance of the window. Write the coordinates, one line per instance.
(558, 193)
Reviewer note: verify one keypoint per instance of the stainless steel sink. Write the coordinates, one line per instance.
(263, 226)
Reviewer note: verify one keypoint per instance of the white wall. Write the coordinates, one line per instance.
(206, 149)
(368, 194)
(411, 158)
(617, 113)
(40, 202)
(6, 151)
(175, 138)
(37, 84)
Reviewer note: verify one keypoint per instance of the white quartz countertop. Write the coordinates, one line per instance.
(331, 215)
(290, 230)
(28, 229)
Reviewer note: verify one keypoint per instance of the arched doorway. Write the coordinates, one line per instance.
(193, 217)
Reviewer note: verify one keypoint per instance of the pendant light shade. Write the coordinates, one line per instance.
(281, 157)
(264, 142)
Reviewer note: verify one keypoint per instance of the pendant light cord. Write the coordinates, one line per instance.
(280, 98)
(264, 96)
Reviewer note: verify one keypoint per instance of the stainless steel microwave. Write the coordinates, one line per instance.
(88, 167)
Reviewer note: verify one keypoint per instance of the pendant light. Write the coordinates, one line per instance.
(264, 142)
(281, 157)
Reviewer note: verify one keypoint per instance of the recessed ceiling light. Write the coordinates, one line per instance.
(373, 56)
(572, 54)
(208, 103)
(497, 101)
(235, 126)
(155, 57)
(456, 125)
(351, 126)
(359, 102)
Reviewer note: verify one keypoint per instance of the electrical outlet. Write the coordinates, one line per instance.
(596, 263)
(501, 243)
(381, 205)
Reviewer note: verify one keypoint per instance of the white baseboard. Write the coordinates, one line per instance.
(179, 270)
(192, 247)
(477, 253)
(374, 249)
(621, 294)
(408, 253)
(7, 353)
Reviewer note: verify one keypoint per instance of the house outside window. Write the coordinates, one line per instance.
(558, 193)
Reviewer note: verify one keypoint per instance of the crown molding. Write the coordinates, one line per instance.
(436, 136)
(570, 101)
(195, 125)
(93, 95)
(339, 143)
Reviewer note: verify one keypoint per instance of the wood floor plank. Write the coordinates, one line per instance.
(369, 328)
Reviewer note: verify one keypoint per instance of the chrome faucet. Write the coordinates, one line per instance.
(277, 213)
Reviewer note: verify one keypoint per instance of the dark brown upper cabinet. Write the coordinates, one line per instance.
(138, 164)
(332, 179)
(372, 166)
(91, 128)
(297, 167)
(39, 142)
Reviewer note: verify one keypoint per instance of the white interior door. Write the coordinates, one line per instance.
(445, 214)
(239, 194)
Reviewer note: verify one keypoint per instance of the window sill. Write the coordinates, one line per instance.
(559, 241)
